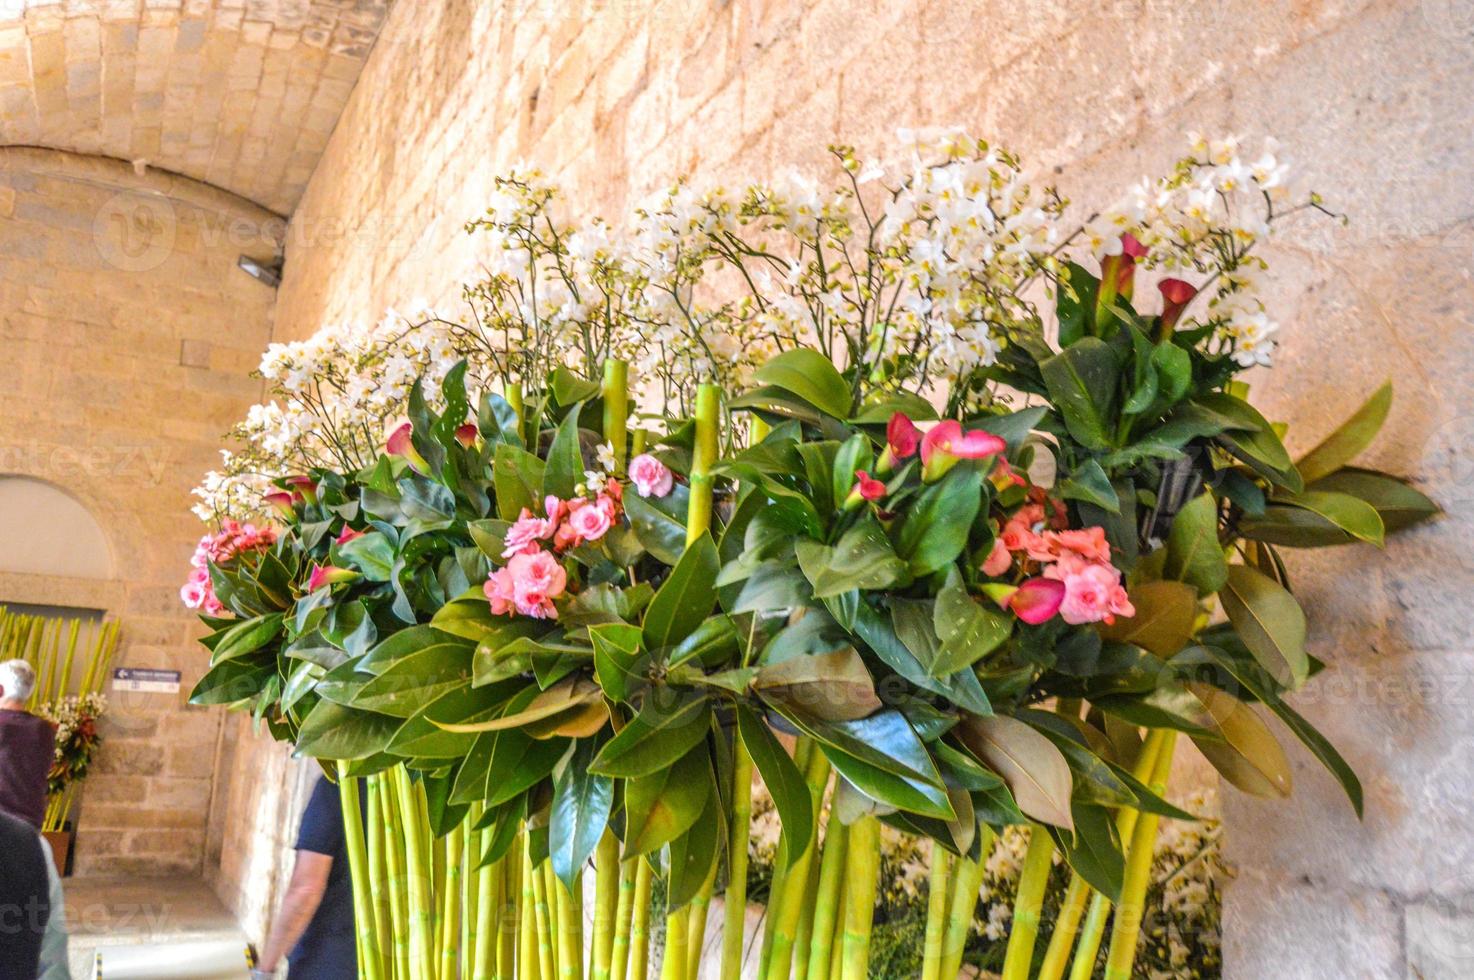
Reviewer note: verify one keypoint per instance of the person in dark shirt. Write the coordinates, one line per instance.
(27, 747)
(24, 900)
(316, 918)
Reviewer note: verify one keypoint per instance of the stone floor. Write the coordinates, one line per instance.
(140, 911)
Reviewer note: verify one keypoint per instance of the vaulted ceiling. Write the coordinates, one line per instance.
(241, 94)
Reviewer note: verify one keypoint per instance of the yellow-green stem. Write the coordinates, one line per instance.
(569, 917)
(418, 870)
(828, 900)
(796, 880)
(394, 858)
(543, 911)
(1066, 927)
(1018, 962)
(640, 922)
(527, 949)
(619, 959)
(606, 902)
(616, 409)
(967, 880)
(490, 882)
(451, 906)
(862, 867)
(677, 929)
(1093, 931)
(700, 906)
(936, 912)
(358, 873)
(1127, 925)
(735, 910)
(703, 457)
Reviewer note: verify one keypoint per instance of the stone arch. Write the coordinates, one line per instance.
(47, 531)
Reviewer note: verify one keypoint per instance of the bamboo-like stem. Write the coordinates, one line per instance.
(1127, 925)
(1077, 895)
(543, 912)
(640, 923)
(703, 457)
(936, 912)
(394, 860)
(451, 905)
(796, 881)
(827, 900)
(734, 922)
(1093, 931)
(418, 869)
(803, 749)
(967, 880)
(1018, 962)
(677, 932)
(619, 957)
(509, 912)
(805, 934)
(358, 874)
(862, 867)
(529, 962)
(606, 899)
(568, 914)
(700, 907)
(378, 874)
(616, 409)
(490, 882)
(836, 939)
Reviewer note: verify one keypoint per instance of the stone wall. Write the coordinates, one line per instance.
(128, 339)
(615, 98)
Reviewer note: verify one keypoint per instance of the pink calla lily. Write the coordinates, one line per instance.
(1036, 600)
(902, 439)
(466, 434)
(1176, 295)
(945, 443)
(325, 575)
(401, 443)
(282, 502)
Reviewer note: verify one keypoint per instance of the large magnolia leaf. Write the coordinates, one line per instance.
(1246, 753)
(413, 682)
(861, 559)
(565, 697)
(811, 376)
(693, 854)
(1165, 614)
(1270, 622)
(668, 726)
(1082, 381)
(784, 781)
(1035, 771)
(1093, 850)
(663, 805)
(829, 686)
(331, 731)
(1351, 515)
(686, 597)
(1194, 555)
(1349, 439)
(966, 629)
(564, 470)
(1399, 505)
(582, 801)
(933, 530)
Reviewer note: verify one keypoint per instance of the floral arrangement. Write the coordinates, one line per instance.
(921, 488)
(223, 549)
(77, 739)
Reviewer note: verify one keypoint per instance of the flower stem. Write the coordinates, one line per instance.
(417, 869)
(827, 902)
(735, 920)
(543, 912)
(450, 909)
(606, 897)
(966, 882)
(640, 926)
(527, 951)
(703, 457)
(1127, 925)
(569, 920)
(363, 912)
(796, 880)
(619, 959)
(700, 907)
(1018, 963)
(862, 868)
(936, 912)
(677, 929)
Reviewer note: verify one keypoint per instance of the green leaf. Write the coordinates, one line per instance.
(933, 530)
(1166, 612)
(1349, 439)
(406, 642)
(582, 801)
(715, 642)
(1094, 849)
(861, 559)
(1270, 622)
(693, 854)
(785, 783)
(1074, 305)
(421, 737)
(517, 476)
(775, 400)
(616, 647)
(1090, 483)
(966, 629)
(663, 805)
(415, 681)
(686, 597)
(1352, 515)
(569, 388)
(331, 731)
(559, 701)
(829, 686)
(1082, 382)
(668, 726)
(811, 376)
(660, 522)
(1034, 770)
(564, 469)
(1251, 438)
(372, 554)
(774, 586)
(231, 681)
(1245, 752)
(854, 454)
(1399, 505)
(1194, 555)
(246, 637)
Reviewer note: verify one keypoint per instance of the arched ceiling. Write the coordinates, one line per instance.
(241, 94)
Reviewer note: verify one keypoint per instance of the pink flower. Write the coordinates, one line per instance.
(945, 443)
(466, 434)
(192, 594)
(591, 521)
(282, 501)
(651, 477)
(999, 559)
(526, 532)
(1176, 295)
(1089, 543)
(500, 592)
(1036, 600)
(327, 575)
(1092, 591)
(554, 510)
(1004, 477)
(401, 443)
(537, 580)
(348, 534)
(868, 487)
(902, 437)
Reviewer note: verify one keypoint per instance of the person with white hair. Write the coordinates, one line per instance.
(27, 746)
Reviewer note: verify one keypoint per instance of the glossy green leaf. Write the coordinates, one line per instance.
(1166, 612)
(810, 375)
(1349, 439)
(967, 629)
(686, 597)
(1082, 382)
(331, 731)
(660, 522)
(1352, 515)
(1270, 622)
(564, 469)
(668, 726)
(517, 476)
(1090, 483)
(1093, 850)
(1032, 767)
(246, 637)
(616, 647)
(785, 783)
(832, 686)
(231, 681)
(1074, 305)
(1245, 752)
(415, 681)
(663, 805)
(1399, 505)
(933, 528)
(582, 802)
(861, 559)
(1194, 555)
(694, 853)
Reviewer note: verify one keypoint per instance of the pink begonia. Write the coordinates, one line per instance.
(1089, 543)
(1093, 591)
(651, 477)
(230, 542)
(591, 521)
(999, 560)
(525, 533)
(527, 585)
